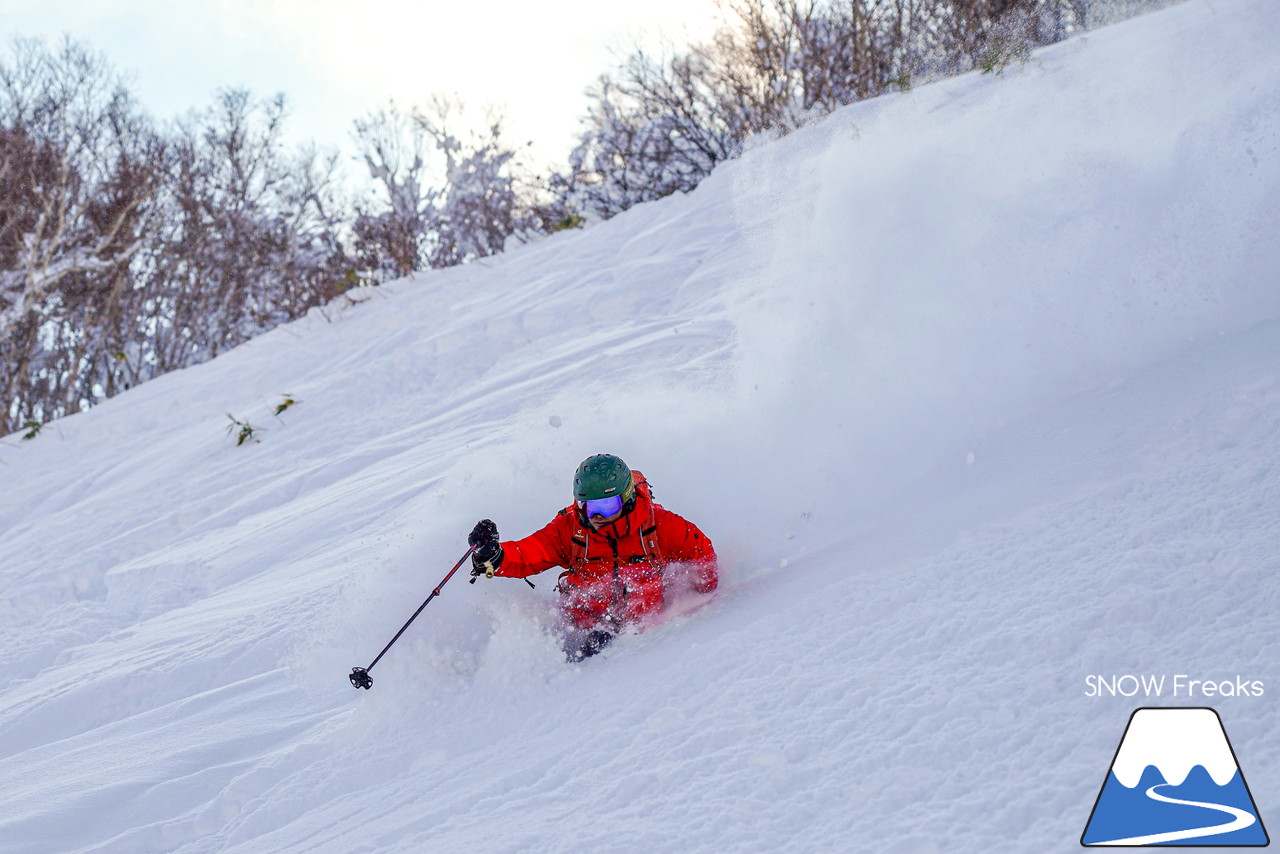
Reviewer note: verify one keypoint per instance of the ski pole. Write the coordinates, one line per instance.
(360, 677)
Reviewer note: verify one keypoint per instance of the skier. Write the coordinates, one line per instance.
(621, 551)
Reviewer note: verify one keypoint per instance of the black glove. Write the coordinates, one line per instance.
(486, 555)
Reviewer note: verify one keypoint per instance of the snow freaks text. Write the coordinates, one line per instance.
(1179, 685)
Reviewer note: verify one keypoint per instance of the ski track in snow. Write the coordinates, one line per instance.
(976, 397)
(1240, 819)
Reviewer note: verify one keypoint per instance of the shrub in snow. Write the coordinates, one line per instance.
(242, 430)
(287, 401)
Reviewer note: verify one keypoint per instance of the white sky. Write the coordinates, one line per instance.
(336, 60)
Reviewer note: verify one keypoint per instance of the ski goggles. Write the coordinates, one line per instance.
(605, 507)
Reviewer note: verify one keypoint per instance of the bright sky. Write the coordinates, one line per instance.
(337, 60)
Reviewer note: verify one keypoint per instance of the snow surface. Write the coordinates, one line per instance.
(976, 389)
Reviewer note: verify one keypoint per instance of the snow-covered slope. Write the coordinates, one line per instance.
(976, 388)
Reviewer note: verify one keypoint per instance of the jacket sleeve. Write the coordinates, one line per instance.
(537, 552)
(682, 541)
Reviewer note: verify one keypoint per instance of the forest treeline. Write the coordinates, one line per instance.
(131, 247)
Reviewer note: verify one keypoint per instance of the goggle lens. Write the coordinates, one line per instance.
(605, 507)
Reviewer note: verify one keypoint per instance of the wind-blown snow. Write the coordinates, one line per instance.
(976, 389)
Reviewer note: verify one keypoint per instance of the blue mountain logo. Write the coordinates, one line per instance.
(1175, 781)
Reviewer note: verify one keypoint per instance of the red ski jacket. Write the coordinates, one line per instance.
(616, 574)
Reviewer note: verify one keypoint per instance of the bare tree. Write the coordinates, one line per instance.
(78, 162)
(655, 129)
(389, 240)
(126, 252)
(660, 125)
(251, 235)
(462, 204)
(484, 198)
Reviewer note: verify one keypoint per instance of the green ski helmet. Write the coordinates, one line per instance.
(603, 476)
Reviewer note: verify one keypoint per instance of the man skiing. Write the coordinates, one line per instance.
(620, 550)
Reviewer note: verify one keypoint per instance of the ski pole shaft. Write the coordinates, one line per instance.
(434, 594)
(360, 677)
